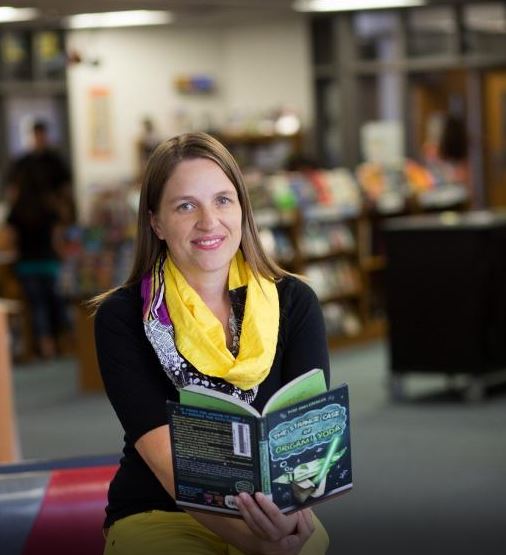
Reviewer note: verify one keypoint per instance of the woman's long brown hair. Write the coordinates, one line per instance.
(159, 169)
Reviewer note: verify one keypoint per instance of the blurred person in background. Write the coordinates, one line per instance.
(40, 206)
(453, 150)
(147, 142)
(35, 232)
(446, 153)
(44, 171)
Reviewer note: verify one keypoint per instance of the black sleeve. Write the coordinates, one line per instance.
(61, 171)
(66, 172)
(12, 172)
(306, 340)
(12, 218)
(134, 380)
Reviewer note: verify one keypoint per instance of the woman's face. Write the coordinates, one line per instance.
(200, 219)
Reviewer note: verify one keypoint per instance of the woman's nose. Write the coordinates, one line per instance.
(207, 218)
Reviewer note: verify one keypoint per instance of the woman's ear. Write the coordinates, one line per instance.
(155, 225)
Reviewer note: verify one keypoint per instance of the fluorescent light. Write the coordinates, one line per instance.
(8, 14)
(351, 5)
(130, 18)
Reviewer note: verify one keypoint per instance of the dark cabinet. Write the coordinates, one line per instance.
(446, 294)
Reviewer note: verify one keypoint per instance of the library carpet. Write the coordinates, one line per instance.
(429, 474)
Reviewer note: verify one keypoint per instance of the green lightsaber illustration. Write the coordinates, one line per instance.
(308, 479)
(327, 463)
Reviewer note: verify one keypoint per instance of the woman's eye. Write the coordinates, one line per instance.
(185, 207)
(224, 200)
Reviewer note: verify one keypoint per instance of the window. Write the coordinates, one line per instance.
(485, 28)
(376, 35)
(431, 31)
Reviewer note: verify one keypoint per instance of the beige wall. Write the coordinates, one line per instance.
(137, 66)
(256, 67)
(267, 65)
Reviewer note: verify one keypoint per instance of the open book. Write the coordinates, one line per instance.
(297, 451)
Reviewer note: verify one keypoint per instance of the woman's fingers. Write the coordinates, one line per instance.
(278, 533)
(305, 526)
(294, 542)
(244, 504)
(268, 507)
(283, 523)
(264, 518)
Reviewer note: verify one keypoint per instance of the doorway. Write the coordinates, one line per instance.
(432, 97)
(494, 145)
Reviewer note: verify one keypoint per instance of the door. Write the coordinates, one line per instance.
(494, 155)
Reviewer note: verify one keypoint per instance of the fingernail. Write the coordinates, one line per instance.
(244, 497)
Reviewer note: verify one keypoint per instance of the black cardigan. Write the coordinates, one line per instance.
(138, 388)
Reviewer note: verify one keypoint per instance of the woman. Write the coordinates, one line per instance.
(203, 305)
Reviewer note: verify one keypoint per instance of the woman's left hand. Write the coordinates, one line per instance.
(269, 524)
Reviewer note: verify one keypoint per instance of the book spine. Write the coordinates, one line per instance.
(264, 459)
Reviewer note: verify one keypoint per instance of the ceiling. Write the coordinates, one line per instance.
(185, 11)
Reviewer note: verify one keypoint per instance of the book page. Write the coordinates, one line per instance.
(303, 387)
(201, 397)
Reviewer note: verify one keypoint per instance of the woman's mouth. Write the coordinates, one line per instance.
(208, 243)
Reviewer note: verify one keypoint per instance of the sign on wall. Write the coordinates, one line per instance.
(100, 124)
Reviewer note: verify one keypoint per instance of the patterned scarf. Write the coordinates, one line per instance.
(199, 335)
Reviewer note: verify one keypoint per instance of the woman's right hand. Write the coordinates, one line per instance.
(277, 533)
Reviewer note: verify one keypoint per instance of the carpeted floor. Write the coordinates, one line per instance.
(429, 473)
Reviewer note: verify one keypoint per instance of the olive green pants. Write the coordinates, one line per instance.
(164, 533)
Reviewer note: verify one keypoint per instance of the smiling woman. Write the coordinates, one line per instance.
(203, 305)
(200, 219)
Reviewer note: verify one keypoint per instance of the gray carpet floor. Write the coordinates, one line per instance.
(429, 473)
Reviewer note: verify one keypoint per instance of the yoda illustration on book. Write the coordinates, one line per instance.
(308, 479)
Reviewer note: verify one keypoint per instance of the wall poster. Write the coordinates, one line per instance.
(100, 130)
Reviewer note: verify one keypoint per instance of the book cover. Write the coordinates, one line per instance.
(214, 456)
(297, 451)
(309, 450)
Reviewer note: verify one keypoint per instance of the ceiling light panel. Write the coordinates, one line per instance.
(352, 5)
(129, 18)
(8, 14)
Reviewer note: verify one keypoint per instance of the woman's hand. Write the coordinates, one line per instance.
(277, 533)
(253, 539)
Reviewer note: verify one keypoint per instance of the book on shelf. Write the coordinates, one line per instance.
(297, 451)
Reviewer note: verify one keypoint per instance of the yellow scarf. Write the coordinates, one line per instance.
(200, 337)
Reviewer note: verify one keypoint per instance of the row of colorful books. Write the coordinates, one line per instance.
(335, 279)
(342, 193)
(316, 239)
